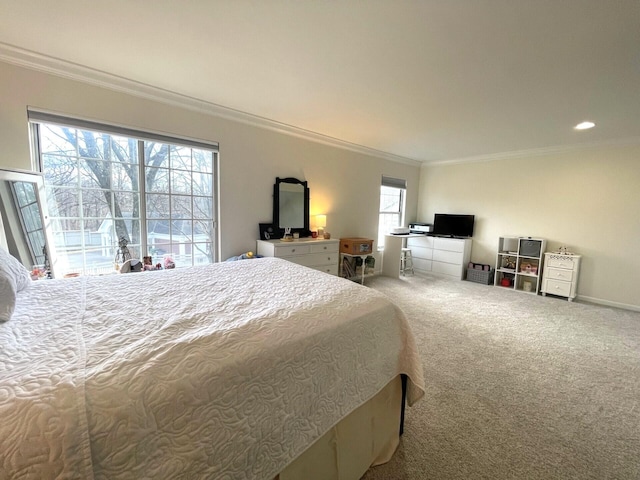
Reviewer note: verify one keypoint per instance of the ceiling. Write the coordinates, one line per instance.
(425, 80)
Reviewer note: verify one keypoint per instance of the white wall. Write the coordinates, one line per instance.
(586, 199)
(344, 185)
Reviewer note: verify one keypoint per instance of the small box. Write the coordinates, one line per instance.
(356, 246)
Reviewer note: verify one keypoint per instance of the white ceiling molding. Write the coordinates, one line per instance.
(61, 68)
(537, 152)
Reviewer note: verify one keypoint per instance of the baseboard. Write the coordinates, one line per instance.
(609, 303)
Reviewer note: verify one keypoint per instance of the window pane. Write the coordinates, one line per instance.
(60, 170)
(180, 182)
(181, 206)
(202, 207)
(180, 158)
(202, 161)
(203, 184)
(95, 174)
(55, 139)
(124, 150)
(158, 206)
(156, 154)
(93, 145)
(157, 180)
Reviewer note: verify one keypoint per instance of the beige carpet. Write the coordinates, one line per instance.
(519, 386)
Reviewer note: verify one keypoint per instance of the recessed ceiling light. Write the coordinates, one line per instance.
(584, 126)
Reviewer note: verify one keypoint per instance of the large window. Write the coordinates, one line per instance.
(392, 195)
(103, 187)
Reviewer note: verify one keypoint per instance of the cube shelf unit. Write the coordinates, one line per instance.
(519, 263)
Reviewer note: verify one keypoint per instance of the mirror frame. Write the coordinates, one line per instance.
(303, 231)
(38, 179)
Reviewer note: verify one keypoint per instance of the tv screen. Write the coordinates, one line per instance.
(453, 225)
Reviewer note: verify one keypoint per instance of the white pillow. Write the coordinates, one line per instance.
(14, 268)
(14, 277)
(7, 296)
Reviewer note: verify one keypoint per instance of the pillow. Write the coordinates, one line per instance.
(14, 277)
(7, 296)
(13, 268)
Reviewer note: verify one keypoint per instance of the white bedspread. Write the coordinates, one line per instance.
(224, 372)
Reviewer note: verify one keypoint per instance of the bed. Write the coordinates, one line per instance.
(257, 369)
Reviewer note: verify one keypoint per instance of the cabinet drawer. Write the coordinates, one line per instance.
(447, 257)
(423, 242)
(558, 287)
(559, 274)
(315, 259)
(561, 262)
(421, 252)
(447, 269)
(324, 248)
(289, 250)
(422, 264)
(449, 244)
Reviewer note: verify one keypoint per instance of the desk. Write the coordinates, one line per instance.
(392, 251)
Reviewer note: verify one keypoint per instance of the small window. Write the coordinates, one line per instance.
(392, 199)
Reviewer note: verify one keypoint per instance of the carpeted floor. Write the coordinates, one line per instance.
(519, 386)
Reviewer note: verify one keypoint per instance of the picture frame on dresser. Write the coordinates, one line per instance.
(268, 231)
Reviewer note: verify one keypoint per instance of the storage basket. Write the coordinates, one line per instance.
(484, 277)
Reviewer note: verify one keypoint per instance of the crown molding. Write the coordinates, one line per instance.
(73, 71)
(537, 152)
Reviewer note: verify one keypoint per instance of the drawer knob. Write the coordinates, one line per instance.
(293, 250)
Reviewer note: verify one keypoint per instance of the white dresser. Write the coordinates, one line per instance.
(560, 276)
(444, 256)
(318, 254)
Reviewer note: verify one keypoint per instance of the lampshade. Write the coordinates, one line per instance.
(321, 221)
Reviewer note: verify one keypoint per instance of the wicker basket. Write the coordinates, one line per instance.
(484, 277)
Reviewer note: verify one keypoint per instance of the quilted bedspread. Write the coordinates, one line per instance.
(226, 371)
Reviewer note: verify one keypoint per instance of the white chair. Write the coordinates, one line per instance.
(406, 261)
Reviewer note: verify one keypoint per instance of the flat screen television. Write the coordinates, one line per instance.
(451, 225)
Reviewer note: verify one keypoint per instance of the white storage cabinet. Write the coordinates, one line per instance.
(560, 275)
(444, 256)
(519, 263)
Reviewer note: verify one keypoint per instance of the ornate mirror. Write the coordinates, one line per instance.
(23, 219)
(291, 205)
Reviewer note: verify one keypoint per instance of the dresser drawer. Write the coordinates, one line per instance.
(325, 248)
(315, 259)
(422, 264)
(558, 287)
(291, 250)
(448, 257)
(422, 242)
(421, 252)
(446, 269)
(561, 262)
(449, 244)
(559, 274)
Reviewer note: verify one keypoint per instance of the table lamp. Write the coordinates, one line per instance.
(321, 222)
